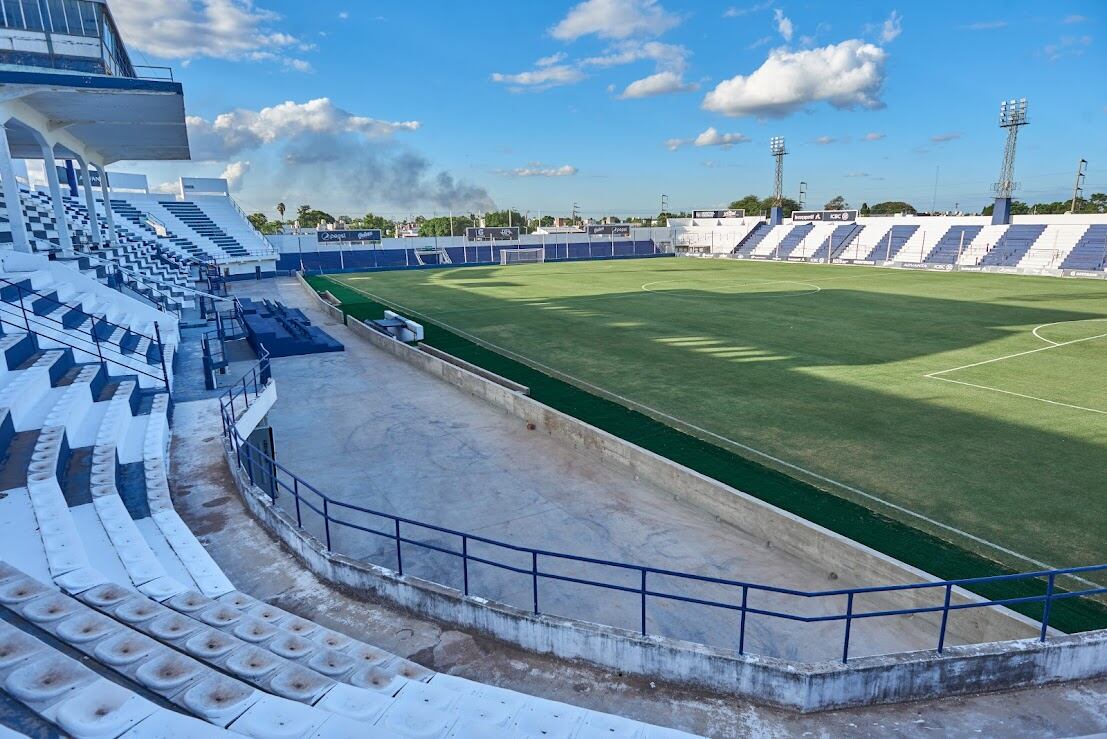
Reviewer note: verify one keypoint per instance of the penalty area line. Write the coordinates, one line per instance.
(705, 432)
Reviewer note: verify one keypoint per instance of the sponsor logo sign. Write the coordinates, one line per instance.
(727, 213)
(609, 229)
(500, 233)
(330, 237)
(833, 216)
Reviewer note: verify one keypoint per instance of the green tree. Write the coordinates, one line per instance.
(280, 210)
(263, 225)
(865, 209)
(892, 207)
(308, 217)
(755, 206)
(440, 226)
(836, 203)
(751, 204)
(500, 218)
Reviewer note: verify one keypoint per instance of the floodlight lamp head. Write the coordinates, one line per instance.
(776, 145)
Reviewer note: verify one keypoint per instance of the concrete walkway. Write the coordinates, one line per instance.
(371, 430)
(205, 497)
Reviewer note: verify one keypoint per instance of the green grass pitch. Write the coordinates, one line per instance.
(970, 406)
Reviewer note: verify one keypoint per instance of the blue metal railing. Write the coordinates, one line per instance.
(273, 478)
(95, 343)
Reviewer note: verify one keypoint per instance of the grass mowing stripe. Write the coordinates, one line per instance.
(894, 538)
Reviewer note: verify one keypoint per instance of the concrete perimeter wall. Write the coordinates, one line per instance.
(804, 687)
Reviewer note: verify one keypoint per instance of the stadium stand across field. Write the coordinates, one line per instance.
(1069, 245)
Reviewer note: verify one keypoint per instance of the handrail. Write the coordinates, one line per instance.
(36, 323)
(264, 471)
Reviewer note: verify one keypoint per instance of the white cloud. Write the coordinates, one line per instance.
(167, 188)
(783, 24)
(218, 29)
(233, 174)
(535, 169)
(242, 130)
(892, 27)
(656, 84)
(1070, 19)
(1066, 46)
(941, 138)
(984, 26)
(614, 19)
(736, 12)
(540, 78)
(857, 174)
(709, 137)
(670, 61)
(824, 140)
(343, 15)
(551, 59)
(846, 75)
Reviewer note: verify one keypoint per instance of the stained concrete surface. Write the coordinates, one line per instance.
(204, 494)
(370, 430)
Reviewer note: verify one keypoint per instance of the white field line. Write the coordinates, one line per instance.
(711, 434)
(1050, 344)
(1017, 395)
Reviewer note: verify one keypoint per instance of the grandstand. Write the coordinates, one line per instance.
(1047, 245)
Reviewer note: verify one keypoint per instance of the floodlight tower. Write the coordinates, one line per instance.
(1012, 116)
(776, 214)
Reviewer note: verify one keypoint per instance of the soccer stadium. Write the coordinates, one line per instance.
(481, 465)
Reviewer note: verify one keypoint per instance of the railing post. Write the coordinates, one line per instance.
(643, 601)
(945, 620)
(327, 522)
(1048, 603)
(849, 623)
(465, 563)
(742, 623)
(161, 356)
(296, 495)
(19, 294)
(399, 551)
(250, 462)
(534, 579)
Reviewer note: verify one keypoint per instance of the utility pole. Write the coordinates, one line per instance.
(1077, 188)
(576, 210)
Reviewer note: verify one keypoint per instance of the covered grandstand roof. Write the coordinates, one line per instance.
(119, 118)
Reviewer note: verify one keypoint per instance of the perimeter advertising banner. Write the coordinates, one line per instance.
(500, 233)
(609, 229)
(330, 237)
(728, 213)
(837, 216)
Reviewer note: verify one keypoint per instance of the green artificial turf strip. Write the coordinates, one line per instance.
(893, 537)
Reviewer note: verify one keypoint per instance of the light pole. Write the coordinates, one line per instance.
(1077, 189)
(1012, 116)
(776, 146)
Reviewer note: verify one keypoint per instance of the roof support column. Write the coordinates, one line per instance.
(113, 237)
(90, 201)
(51, 166)
(12, 201)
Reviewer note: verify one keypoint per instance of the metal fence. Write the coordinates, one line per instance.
(277, 481)
(22, 311)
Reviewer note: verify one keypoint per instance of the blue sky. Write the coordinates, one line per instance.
(417, 107)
